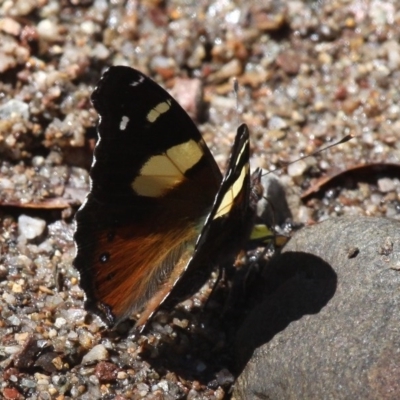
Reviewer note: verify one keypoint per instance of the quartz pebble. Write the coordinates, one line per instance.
(297, 168)
(14, 108)
(97, 353)
(30, 227)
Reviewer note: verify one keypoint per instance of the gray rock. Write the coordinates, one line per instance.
(329, 324)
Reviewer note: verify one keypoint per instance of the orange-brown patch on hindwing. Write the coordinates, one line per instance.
(137, 265)
(152, 305)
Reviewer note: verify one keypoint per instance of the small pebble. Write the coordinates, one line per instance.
(228, 70)
(47, 30)
(386, 185)
(9, 298)
(122, 375)
(30, 227)
(10, 26)
(297, 168)
(59, 322)
(16, 288)
(97, 353)
(143, 389)
(277, 123)
(14, 108)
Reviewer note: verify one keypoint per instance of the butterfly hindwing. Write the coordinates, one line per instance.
(229, 224)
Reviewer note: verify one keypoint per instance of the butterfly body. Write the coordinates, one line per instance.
(158, 210)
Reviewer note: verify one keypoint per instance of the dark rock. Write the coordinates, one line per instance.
(26, 357)
(46, 361)
(328, 325)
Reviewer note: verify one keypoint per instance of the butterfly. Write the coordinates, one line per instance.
(159, 214)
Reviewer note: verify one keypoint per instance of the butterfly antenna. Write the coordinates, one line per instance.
(342, 140)
(236, 93)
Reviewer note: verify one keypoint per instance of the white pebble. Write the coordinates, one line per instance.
(52, 333)
(30, 227)
(98, 353)
(38, 161)
(143, 389)
(88, 27)
(11, 349)
(100, 52)
(14, 320)
(277, 123)
(297, 168)
(386, 185)
(9, 298)
(59, 322)
(122, 375)
(5, 183)
(303, 215)
(47, 30)
(14, 108)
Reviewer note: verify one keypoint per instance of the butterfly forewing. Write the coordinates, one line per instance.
(153, 182)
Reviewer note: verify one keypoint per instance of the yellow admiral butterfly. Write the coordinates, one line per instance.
(159, 210)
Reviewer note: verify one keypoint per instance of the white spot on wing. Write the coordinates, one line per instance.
(138, 82)
(124, 122)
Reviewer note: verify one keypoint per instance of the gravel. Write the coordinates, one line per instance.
(308, 73)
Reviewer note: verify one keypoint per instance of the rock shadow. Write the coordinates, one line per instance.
(295, 284)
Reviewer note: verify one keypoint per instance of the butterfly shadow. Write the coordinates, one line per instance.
(220, 338)
(200, 348)
(294, 284)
